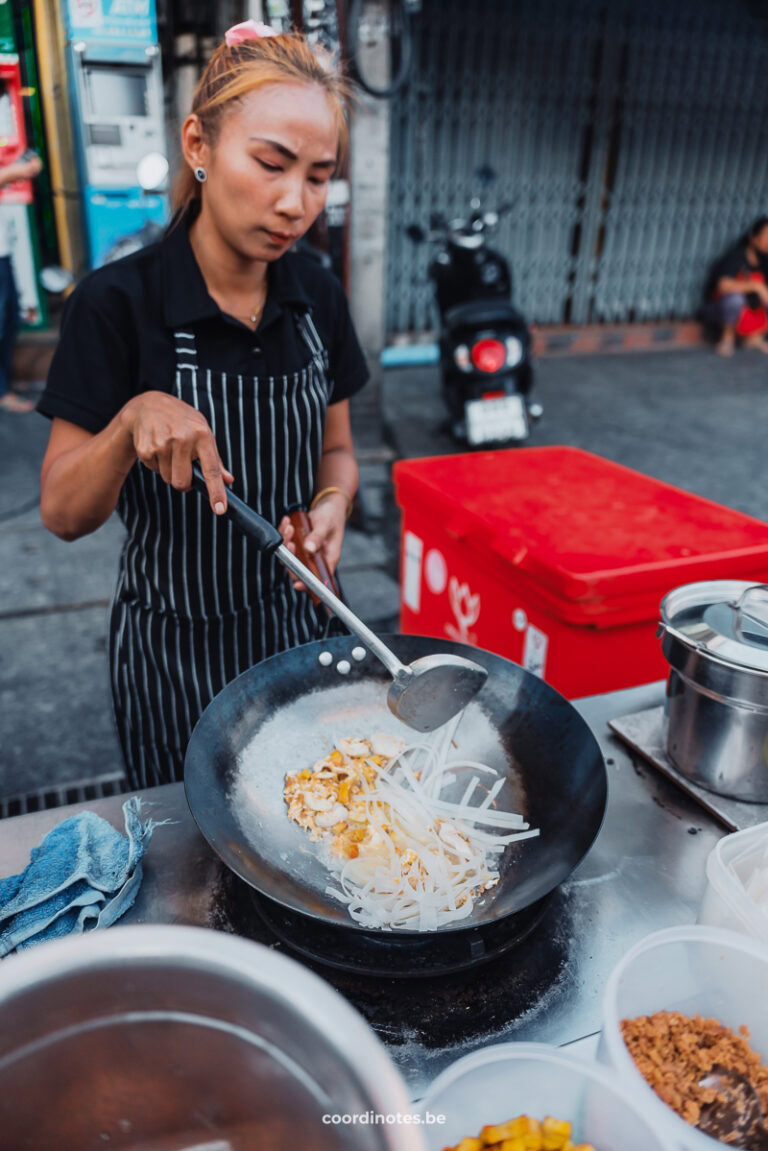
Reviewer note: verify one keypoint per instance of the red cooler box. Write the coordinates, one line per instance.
(558, 559)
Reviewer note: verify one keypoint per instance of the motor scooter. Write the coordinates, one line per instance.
(485, 342)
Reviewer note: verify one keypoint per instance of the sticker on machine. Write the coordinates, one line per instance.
(413, 550)
(535, 651)
(87, 14)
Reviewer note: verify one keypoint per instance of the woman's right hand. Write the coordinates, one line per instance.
(168, 435)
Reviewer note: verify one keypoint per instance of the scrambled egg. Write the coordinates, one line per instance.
(327, 800)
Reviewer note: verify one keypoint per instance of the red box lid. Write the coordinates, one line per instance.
(579, 526)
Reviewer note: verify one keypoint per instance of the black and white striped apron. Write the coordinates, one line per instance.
(196, 603)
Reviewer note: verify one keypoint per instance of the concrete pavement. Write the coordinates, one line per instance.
(687, 417)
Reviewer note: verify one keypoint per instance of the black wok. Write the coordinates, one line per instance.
(285, 713)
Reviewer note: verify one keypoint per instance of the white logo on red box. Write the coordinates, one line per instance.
(436, 571)
(535, 651)
(412, 552)
(466, 608)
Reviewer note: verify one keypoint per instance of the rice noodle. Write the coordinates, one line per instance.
(426, 860)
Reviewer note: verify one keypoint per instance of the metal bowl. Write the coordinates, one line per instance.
(178, 1038)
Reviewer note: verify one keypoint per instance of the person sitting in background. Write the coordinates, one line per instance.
(737, 292)
(9, 300)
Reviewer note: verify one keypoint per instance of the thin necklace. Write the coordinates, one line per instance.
(255, 315)
(257, 311)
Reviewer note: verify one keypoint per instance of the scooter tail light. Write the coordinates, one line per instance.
(489, 355)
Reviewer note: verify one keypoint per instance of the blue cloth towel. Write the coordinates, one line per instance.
(84, 875)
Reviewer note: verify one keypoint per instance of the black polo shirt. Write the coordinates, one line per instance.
(117, 330)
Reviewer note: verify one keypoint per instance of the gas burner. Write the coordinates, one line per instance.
(390, 953)
(434, 1009)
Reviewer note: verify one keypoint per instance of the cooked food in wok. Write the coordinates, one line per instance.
(404, 854)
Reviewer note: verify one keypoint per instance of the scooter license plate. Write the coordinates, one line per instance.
(504, 418)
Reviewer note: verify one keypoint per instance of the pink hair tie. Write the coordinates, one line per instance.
(248, 30)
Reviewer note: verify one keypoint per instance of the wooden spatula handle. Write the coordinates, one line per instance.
(316, 564)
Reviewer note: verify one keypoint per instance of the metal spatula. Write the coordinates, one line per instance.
(424, 694)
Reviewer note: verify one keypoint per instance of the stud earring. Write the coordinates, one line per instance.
(201, 175)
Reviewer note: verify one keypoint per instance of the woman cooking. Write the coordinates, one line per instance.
(220, 345)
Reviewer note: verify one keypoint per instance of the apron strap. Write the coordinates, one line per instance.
(311, 338)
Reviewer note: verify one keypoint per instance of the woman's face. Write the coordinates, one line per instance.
(269, 168)
(760, 240)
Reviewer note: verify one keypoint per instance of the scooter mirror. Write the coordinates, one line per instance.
(152, 171)
(485, 174)
(415, 233)
(55, 279)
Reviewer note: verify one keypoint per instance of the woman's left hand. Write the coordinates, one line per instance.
(328, 520)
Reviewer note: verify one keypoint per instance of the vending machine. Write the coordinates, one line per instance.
(116, 94)
(16, 198)
(13, 139)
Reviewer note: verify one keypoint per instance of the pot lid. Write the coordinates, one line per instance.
(727, 619)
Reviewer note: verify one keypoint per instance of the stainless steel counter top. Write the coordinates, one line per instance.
(645, 872)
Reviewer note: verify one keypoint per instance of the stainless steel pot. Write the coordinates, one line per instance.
(171, 1038)
(715, 639)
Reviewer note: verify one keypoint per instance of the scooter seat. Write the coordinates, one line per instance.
(479, 312)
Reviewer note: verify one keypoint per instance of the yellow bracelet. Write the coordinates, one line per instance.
(330, 491)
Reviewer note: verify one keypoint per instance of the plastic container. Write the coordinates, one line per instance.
(558, 559)
(510, 1079)
(696, 970)
(730, 864)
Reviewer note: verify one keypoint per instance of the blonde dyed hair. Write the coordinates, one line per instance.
(232, 73)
